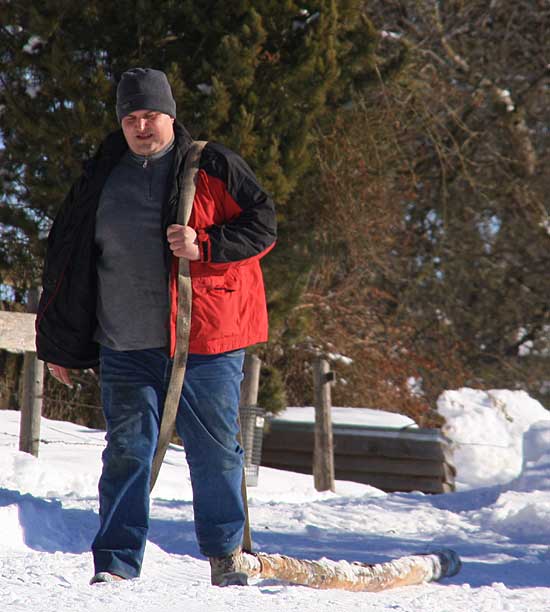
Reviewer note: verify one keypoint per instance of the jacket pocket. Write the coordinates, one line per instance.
(216, 305)
(217, 282)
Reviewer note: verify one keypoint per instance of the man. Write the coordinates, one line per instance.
(110, 294)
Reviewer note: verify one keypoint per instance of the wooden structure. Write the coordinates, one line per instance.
(249, 397)
(251, 418)
(17, 332)
(323, 447)
(389, 459)
(17, 335)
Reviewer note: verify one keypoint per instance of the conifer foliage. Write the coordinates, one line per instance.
(254, 75)
(257, 76)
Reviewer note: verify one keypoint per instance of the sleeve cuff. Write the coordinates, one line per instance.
(205, 246)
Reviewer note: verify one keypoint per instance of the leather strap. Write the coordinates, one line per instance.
(183, 317)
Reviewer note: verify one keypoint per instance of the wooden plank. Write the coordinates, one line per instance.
(290, 458)
(394, 482)
(401, 447)
(409, 475)
(365, 443)
(373, 465)
(384, 482)
(17, 334)
(276, 465)
(389, 459)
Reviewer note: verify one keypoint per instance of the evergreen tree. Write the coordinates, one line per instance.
(257, 76)
(254, 75)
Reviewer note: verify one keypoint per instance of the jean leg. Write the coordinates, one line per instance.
(207, 423)
(132, 396)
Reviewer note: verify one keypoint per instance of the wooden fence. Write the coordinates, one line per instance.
(389, 459)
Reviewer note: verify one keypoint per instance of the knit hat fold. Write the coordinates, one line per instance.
(144, 89)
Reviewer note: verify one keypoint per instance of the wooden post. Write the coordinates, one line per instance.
(31, 402)
(249, 397)
(323, 450)
(251, 380)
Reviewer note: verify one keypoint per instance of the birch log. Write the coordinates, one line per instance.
(327, 574)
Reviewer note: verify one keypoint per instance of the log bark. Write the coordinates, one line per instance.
(327, 574)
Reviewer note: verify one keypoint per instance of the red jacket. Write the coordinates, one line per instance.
(235, 221)
(229, 307)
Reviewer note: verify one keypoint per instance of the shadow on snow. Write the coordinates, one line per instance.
(45, 525)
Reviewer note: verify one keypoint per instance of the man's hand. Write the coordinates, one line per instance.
(183, 242)
(60, 373)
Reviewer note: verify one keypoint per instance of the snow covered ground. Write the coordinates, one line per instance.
(502, 531)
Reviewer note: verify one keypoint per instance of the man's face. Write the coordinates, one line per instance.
(147, 132)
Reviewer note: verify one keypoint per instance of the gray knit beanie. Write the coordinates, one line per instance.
(144, 89)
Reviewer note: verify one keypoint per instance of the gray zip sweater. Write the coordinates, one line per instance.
(132, 306)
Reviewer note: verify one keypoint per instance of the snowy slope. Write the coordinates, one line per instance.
(48, 519)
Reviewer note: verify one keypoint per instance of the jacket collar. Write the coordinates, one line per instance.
(183, 138)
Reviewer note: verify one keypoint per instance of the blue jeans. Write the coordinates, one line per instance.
(133, 388)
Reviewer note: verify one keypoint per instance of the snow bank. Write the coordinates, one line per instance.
(63, 446)
(523, 511)
(486, 429)
(519, 515)
(535, 473)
